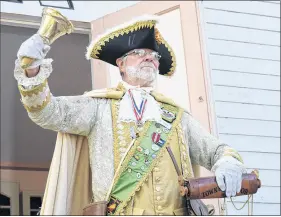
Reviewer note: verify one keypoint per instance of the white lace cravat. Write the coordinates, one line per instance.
(152, 111)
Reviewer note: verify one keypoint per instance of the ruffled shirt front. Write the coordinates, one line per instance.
(152, 110)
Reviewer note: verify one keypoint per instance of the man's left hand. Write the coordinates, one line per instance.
(229, 176)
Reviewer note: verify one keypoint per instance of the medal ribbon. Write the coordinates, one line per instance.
(138, 111)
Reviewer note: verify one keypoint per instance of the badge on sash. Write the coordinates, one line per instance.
(168, 116)
(161, 142)
(112, 205)
(165, 124)
(155, 137)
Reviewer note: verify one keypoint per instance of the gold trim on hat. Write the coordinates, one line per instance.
(94, 49)
(137, 26)
(160, 40)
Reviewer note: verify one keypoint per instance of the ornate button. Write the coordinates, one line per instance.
(159, 207)
(138, 175)
(156, 169)
(120, 132)
(121, 138)
(158, 198)
(158, 188)
(122, 149)
(157, 179)
(120, 126)
(134, 164)
(123, 143)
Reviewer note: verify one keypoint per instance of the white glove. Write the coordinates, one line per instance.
(33, 47)
(228, 173)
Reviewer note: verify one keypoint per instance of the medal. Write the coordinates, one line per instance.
(138, 111)
(155, 137)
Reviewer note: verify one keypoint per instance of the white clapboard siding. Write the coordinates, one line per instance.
(252, 143)
(242, 42)
(261, 160)
(248, 127)
(242, 20)
(244, 95)
(248, 111)
(264, 194)
(244, 64)
(242, 34)
(258, 208)
(266, 177)
(242, 80)
(252, 7)
(273, 2)
(244, 49)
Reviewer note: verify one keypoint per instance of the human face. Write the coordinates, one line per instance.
(140, 67)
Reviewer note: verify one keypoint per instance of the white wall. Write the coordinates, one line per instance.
(242, 42)
(85, 11)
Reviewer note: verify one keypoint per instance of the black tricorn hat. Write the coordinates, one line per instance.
(137, 34)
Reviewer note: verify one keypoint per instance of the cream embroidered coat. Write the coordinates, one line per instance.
(89, 135)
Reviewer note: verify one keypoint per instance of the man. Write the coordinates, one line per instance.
(131, 124)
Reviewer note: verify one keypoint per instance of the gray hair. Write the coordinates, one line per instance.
(124, 58)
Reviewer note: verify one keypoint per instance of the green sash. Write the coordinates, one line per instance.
(141, 158)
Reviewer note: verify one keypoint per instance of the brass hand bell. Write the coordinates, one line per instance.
(53, 26)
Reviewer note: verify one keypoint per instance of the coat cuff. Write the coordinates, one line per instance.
(36, 98)
(44, 72)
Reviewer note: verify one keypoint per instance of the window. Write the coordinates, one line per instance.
(31, 202)
(5, 205)
(58, 4)
(14, 1)
(9, 198)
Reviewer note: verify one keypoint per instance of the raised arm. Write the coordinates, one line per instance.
(71, 114)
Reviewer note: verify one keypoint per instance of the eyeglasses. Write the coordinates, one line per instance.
(142, 53)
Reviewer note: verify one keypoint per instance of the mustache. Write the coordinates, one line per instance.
(146, 63)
